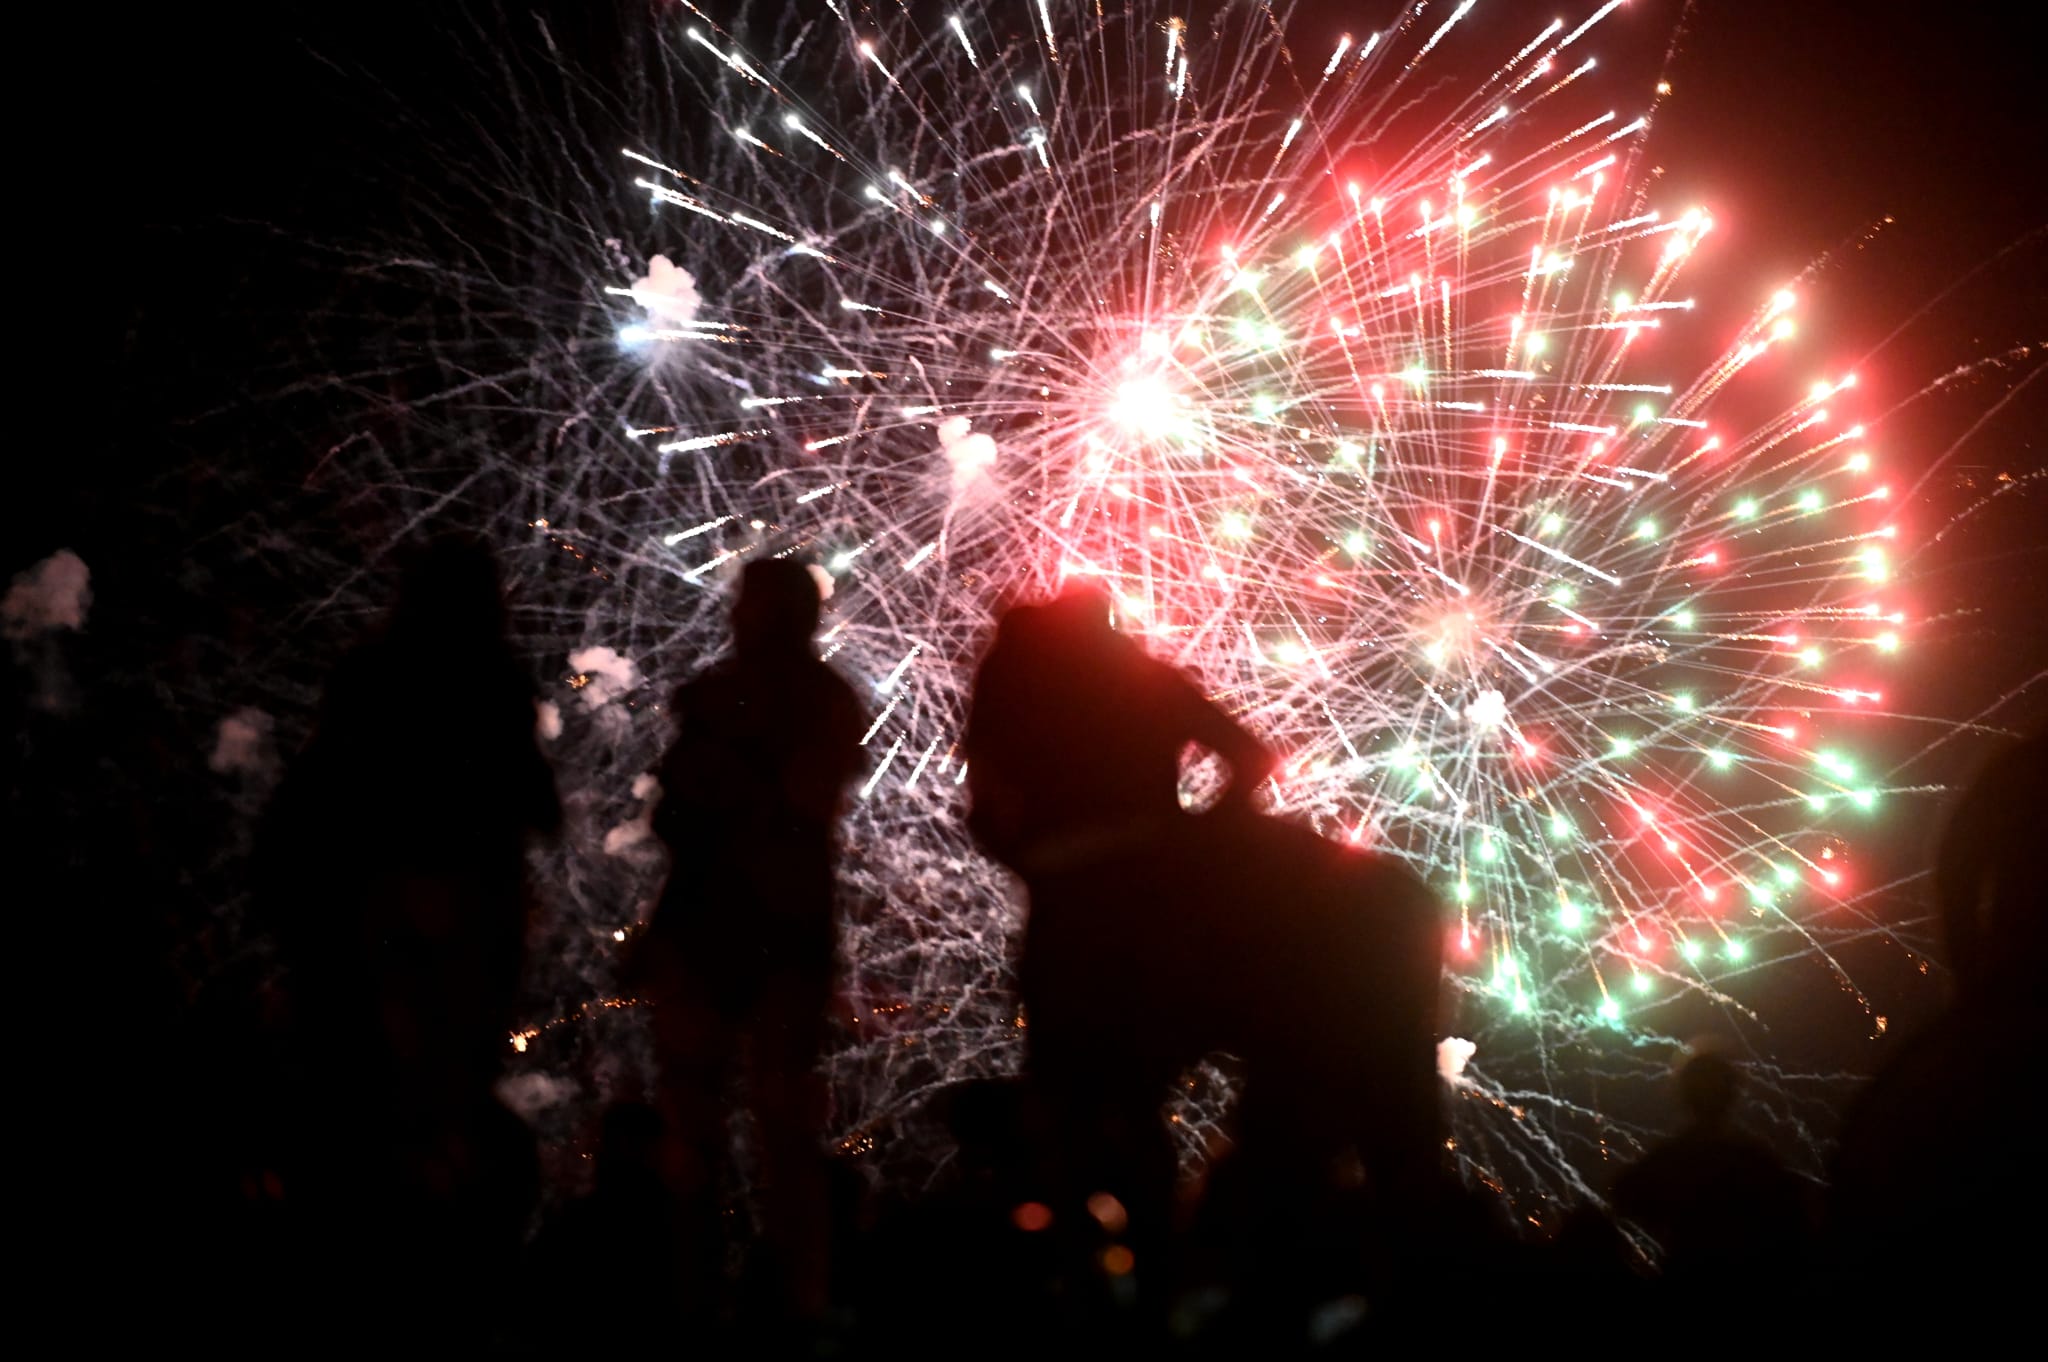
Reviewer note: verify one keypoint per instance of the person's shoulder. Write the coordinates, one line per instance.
(834, 681)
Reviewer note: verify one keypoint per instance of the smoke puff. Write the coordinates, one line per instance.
(531, 1094)
(824, 580)
(547, 720)
(972, 454)
(52, 595)
(242, 742)
(639, 829)
(1452, 1054)
(668, 292)
(605, 674)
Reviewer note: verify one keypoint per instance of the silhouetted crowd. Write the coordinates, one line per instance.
(393, 1202)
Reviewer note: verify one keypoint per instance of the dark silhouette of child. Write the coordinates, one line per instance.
(1721, 1205)
(392, 862)
(739, 958)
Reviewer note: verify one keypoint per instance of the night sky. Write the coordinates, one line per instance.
(170, 193)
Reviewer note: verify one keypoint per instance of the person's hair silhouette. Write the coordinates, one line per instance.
(777, 612)
(739, 957)
(1076, 736)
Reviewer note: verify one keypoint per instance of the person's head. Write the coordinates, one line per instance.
(1708, 1084)
(777, 610)
(1082, 607)
(1988, 874)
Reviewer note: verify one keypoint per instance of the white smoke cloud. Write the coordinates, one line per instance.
(530, 1094)
(52, 595)
(606, 675)
(547, 720)
(638, 830)
(823, 578)
(1452, 1054)
(971, 453)
(668, 293)
(242, 743)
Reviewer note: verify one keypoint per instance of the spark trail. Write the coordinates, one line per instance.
(1343, 370)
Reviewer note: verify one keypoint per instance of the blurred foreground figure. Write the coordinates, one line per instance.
(1157, 936)
(1934, 1187)
(393, 862)
(739, 958)
(1719, 1202)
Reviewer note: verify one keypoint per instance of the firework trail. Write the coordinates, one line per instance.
(1340, 370)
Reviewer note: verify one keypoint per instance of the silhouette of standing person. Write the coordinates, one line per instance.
(739, 957)
(1156, 936)
(1722, 1206)
(1074, 747)
(393, 862)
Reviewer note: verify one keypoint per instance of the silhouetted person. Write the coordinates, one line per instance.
(393, 864)
(1074, 748)
(1719, 1203)
(1156, 936)
(739, 958)
(1076, 737)
(1933, 1183)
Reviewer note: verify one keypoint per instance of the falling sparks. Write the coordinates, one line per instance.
(1390, 465)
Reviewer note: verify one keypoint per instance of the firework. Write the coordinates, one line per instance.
(1348, 373)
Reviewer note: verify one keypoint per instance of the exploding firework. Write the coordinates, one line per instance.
(1347, 375)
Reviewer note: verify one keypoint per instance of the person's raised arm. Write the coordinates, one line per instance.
(1251, 762)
